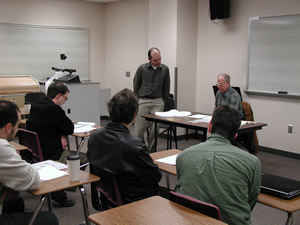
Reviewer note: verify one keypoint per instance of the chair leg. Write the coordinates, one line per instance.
(175, 136)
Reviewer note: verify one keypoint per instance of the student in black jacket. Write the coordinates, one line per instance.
(114, 151)
(50, 121)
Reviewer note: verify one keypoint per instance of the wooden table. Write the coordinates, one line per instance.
(186, 122)
(154, 210)
(18, 146)
(62, 183)
(289, 206)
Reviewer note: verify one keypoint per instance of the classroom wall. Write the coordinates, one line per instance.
(224, 48)
(126, 25)
(62, 13)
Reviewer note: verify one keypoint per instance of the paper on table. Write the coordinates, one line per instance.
(50, 172)
(206, 119)
(82, 127)
(198, 116)
(173, 113)
(57, 165)
(244, 122)
(168, 160)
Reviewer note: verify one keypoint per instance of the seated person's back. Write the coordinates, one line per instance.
(112, 149)
(219, 173)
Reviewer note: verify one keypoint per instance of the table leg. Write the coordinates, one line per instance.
(38, 209)
(49, 202)
(289, 220)
(85, 204)
(168, 180)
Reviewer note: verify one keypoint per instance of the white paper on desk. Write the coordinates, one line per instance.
(198, 116)
(86, 123)
(50, 172)
(55, 164)
(244, 122)
(205, 119)
(81, 128)
(171, 160)
(173, 113)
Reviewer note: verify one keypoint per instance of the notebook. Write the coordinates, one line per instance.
(281, 187)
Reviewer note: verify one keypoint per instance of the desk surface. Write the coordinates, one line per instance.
(64, 182)
(154, 210)
(186, 122)
(18, 146)
(291, 205)
(163, 166)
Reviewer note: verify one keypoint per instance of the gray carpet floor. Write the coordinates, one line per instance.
(262, 215)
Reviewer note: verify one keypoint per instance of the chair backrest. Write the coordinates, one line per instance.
(170, 103)
(195, 204)
(31, 140)
(105, 193)
(238, 90)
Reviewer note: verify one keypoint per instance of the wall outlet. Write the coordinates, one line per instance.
(127, 74)
(290, 128)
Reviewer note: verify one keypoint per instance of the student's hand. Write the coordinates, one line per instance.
(64, 142)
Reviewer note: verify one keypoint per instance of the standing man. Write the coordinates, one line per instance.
(227, 95)
(15, 173)
(50, 121)
(151, 84)
(217, 172)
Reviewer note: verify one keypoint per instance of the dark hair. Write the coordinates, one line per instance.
(123, 106)
(225, 121)
(150, 51)
(57, 88)
(8, 113)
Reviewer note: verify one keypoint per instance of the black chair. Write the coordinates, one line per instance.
(105, 193)
(197, 205)
(31, 140)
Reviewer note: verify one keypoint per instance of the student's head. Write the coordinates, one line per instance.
(154, 57)
(58, 92)
(223, 82)
(123, 107)
(9, 119)
(225, 121)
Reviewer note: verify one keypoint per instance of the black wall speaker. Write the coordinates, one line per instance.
(219, 9)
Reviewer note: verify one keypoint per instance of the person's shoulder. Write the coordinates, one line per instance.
(164, 66)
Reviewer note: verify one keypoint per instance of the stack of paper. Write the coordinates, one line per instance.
(173, 113)
(83, 127)
(244, 122)
(50, 169)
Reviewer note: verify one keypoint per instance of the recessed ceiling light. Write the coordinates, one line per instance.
(102, 1)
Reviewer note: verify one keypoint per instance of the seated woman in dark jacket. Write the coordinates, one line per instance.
(113, 151)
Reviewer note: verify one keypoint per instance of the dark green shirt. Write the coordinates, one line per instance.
(219, 173)
(152, 83)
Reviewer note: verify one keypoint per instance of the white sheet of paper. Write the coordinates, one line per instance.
(57, 165)
(168, 160)
(82, 128)
(50, 172)
(173, 113)
(198, 116)
(205, 119)
(244, 122)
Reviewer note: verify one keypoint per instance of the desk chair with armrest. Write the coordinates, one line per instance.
(105, 193)
(195, 204)
(31, 140)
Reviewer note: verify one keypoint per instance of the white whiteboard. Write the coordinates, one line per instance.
(33, 50)
(274, 55)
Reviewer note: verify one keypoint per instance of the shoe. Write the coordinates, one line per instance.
(62, 204)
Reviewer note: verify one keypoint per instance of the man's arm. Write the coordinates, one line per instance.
(64, 124)
(15, 173)
(137, 81)
(166, 85)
